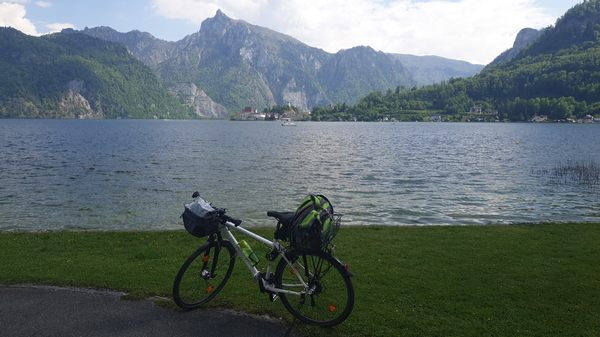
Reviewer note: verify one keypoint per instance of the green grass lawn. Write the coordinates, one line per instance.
(520, 280)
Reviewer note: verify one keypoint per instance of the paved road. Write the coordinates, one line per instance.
(62, 312)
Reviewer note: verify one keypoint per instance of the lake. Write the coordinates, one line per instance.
(137, 174)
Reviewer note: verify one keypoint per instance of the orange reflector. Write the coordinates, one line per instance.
(346, 266)
(293, 271)
(332, 308)
(209, 289)
(206, 258)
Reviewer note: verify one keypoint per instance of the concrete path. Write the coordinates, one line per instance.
(54, 311)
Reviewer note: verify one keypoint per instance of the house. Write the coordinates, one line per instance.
(475, 110)
(257, 117)
(292, 115)
(248, 111)
(540, 119)
(435, 118)
(587, 119)
(252, 114)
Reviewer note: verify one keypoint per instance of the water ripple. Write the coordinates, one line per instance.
(71, 174)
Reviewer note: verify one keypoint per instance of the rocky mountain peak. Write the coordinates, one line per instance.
(217, 26)
(221, 16)
(524, 38)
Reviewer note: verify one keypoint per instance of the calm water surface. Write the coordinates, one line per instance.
(136, 174)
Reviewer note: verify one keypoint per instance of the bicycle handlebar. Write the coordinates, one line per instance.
(220, 211)
(236, 222)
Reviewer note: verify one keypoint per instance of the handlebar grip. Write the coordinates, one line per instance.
(236, 222)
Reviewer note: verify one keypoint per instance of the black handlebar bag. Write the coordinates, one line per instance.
(200, 218)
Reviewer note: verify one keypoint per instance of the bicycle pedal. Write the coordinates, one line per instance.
(273, 297)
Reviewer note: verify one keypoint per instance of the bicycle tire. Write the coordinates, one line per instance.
(204, 274)
(333, 298)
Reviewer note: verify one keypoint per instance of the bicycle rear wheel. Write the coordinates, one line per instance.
(204, 274)
(329, 298)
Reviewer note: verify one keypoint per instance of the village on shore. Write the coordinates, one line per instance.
(252, 114)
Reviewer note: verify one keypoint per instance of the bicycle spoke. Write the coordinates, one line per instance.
(328, 297)
(204, 274)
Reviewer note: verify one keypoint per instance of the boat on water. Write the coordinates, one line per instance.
(288, 124)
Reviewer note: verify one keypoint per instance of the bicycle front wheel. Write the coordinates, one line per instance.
(204, 274)
(328, 298)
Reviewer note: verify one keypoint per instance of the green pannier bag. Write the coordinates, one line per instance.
(314, 224)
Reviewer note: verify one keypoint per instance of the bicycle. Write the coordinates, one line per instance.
(314, 285)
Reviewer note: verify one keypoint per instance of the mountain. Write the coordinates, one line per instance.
(238, 64)
(524, 38)
(556, 74)
(144, 46)
(434, 69)
(577, 29)
(225, 66)
(347, 74)
(78, 76)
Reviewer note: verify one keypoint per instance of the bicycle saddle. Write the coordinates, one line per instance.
(285, 218)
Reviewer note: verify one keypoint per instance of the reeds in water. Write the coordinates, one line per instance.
(582, 173)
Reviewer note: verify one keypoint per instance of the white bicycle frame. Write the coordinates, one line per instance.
(274, 245)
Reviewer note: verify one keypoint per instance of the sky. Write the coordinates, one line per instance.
(470, 30)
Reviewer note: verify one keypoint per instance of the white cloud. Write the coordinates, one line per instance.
(472, 30)
(44, 4)
(13, 15)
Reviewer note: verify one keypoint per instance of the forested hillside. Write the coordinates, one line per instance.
(558, 75)
(78, 76)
